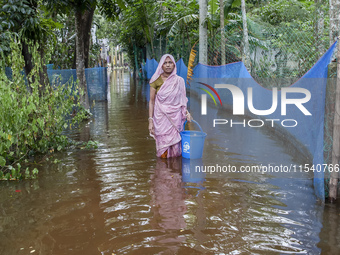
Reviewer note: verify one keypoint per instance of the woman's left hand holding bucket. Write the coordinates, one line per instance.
(189, 118)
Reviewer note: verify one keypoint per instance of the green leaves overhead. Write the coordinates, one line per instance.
(68, 6)
(213, 6)
(229, 4)
(111, 9)
(182, 22)
(28, 19)
(283, 11)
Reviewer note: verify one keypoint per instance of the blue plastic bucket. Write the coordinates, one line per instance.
(192, 142)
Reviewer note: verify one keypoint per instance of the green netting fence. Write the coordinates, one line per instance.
(275, 52)
(178, 47)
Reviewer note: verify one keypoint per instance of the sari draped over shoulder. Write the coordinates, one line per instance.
(169, 111)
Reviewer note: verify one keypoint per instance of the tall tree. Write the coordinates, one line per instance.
(222, 32)
(203, 33)
(334, 19)
(333, 181)
(246, 52)
(319, 26)
(83, 23)
(83, 11)
(334, 30)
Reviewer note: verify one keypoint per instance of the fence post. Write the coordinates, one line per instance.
(222, 32)
(333, 182)
(136, 61)
(203, 33)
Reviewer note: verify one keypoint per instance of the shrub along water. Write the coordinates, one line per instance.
(33, 115)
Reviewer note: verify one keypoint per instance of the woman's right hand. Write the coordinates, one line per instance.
(151, 127)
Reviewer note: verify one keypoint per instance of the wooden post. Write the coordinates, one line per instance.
(246, 52)
(136, 61)
(112, 59)
(203, 33)
(116, 62)
(222, 32)
(333, 182)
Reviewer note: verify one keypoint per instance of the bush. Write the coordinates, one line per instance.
(32, 116)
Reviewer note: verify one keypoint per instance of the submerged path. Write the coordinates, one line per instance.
(121, 199)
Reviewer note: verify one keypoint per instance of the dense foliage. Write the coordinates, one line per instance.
(31, 122)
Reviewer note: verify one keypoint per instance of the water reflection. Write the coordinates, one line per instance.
(168, 203)
(191, 177)
(330, 233)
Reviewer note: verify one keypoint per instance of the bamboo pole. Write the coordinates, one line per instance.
(203, 33)
(136, 62)
(112, 59)
(222, 32)
(116, 62)
(333, 182)
(246, 52)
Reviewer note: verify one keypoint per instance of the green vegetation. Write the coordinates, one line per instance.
(32, 120)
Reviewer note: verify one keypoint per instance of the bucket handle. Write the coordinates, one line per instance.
(185, 122)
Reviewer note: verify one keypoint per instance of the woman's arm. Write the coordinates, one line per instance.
(151, 107)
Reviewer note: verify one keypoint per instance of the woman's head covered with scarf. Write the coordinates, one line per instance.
(159, 69)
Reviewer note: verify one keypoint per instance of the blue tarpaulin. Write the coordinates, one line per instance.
(182, 69)
(150, 67)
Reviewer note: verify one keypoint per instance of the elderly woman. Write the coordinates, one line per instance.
(167, 108)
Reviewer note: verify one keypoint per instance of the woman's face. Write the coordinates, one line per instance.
(168, 66)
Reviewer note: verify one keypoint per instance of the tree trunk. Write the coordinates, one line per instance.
(333, 182)
(203, 36)
(87, 18)
(222, 32)
(43, 76)
(74, 62)
(80, 59)
(27, 57)
(149, 29)
(333, 20)
(160, 36)
(319, 27)
(246, 52)
(160, 45)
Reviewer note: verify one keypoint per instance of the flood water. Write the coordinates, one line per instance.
(121, 199)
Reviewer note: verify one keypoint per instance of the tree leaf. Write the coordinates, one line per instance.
(2, 161)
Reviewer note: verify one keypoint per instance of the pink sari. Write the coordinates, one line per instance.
(169, 111)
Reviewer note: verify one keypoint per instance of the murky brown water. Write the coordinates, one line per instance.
(120, 199)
